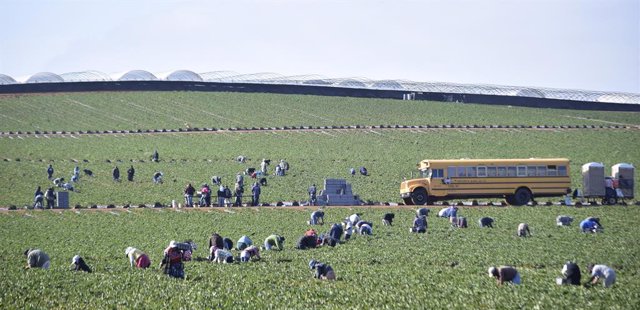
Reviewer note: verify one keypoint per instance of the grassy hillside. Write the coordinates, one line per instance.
(149, 110)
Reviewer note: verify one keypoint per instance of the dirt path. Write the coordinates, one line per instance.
(211, 209)
(257, 209)
(324, 129)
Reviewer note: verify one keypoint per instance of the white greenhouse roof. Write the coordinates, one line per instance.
(138, 75)
(45, 77)
(318, 80)
(5, 79)
(85, 76)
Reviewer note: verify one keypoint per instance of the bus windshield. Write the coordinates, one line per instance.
(426, 173)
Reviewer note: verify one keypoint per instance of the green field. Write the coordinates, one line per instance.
(389, 156)
(172, 110)
(391, 269)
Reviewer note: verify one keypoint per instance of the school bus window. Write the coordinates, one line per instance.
(531, 171)
(522, 171)
(551, 170)
(471, 172)
(451, 171)
(511, 171)
(492, 171)
(461, 172)
(437, 173)
(482, 172)
(562, 170)
(502, 171)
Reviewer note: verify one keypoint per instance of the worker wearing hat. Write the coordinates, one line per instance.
(323, 271)
(137, 257)
(78, 264)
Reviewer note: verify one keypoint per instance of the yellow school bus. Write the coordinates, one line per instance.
(516, 180)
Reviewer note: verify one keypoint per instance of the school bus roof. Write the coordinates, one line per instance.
(491, 162)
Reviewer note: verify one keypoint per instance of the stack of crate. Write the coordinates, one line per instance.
(337, 192)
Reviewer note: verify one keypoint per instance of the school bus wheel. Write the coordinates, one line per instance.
(522, 196)
(419, 196)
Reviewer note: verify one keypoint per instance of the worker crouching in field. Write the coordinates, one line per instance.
(571, 274)
(325, 239)
(563, 220)
(137, 257)
(317, 218)
(78, 264)
(336, 232)
(37, 259)
(243, 243)
(459, 222)
(222, 256)
(486, 222)
(274, 242)
(307, 242)
(172, 262)
(157, 177)
(523, 230)
(419, 224)
(353, 218)
(249, 253)
(607, 274)
(448, 212)
(323, 271)
(505, 274)
(227, 244)
(333, 237)
(364, 228)
(591, 225)
(387, 219)
(216, 241)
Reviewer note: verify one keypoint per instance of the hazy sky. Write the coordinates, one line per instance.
(577, 44)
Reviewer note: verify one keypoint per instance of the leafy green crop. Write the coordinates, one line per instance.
(172, 110)
(389, 156)
(391, 269)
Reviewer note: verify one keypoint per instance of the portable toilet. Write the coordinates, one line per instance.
(593, 180)
(624, 173)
